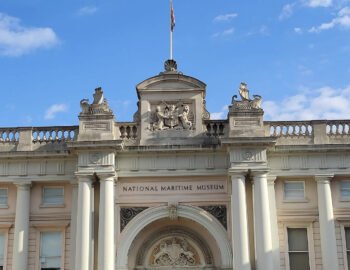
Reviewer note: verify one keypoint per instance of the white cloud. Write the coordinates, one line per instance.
(318, 3)
(342, 19)
(88, 10)
(224, 33)
(16, 40)
(322, 103)
(220, 115)
(298, 30)
(225, 17)
(287, 11)
(54, 109)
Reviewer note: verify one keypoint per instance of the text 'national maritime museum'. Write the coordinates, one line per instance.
(174, 189)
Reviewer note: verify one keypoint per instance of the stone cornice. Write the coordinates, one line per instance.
(111, 145)
(249, 141)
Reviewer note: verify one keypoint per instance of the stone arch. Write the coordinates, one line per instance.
(206, 256)
(193, 213)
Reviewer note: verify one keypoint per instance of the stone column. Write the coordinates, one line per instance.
(106, 249)
(240, 240)
(274, 224)
(83, 232)
(327, 226)
(20, 245)
(262, 224)
(73, 226)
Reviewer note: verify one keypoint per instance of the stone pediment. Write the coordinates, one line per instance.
(171, 82)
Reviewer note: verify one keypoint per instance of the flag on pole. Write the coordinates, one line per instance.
(172, 17)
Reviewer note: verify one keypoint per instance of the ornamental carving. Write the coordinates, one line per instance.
(219, 212)
(174, 251)
(127, 214)
(171, 116)
(98, 106)
(246, 103)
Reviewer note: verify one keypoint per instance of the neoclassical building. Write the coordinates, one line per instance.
(174, 189)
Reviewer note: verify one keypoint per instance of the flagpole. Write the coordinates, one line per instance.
(171, 32)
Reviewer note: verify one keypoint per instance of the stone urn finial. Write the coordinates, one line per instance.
(170, 65)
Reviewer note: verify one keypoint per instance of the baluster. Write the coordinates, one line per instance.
(7, 136)
(56, 135)
(134, 130)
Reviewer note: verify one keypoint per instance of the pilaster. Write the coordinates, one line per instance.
(73, 226)
(273, 218)
(327, 226)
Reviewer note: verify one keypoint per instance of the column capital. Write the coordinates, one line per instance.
(107, 176)
(23, 185)
(259, 173)
(237, 173)
(323, 178)
(84, 177)
(271, 179)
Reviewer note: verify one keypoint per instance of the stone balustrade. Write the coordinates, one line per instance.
(338, 128)
(290, 128)
(28, 135)
(9, 135)
(286, 132)
(55, 134)
(216, 128)
(127, 130)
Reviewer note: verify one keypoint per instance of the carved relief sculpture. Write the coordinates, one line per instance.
(171, 116)
(174, 252)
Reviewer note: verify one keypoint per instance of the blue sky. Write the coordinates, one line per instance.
(296, 54)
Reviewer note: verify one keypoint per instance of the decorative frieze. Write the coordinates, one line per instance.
(248, 155)
(23, 168)
(96, 158)
(4, 168)
(128, 213)
(60, 167)
(218, 211)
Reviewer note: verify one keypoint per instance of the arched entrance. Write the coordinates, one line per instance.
(152, 241)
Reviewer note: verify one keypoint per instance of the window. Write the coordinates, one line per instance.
(345, 189)
(53, 195)
(294, 191)
(298, 250)
(50, 250)
(2, 250)
(347, 240)
(3, 196)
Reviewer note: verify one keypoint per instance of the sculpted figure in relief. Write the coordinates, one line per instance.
(171, 116)
(174, 252)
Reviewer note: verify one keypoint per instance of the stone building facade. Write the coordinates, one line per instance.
(174, 189)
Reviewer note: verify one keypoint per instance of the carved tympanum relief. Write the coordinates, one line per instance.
(174, 251)
(171, 116)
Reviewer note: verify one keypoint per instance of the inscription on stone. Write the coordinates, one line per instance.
(172, 188)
